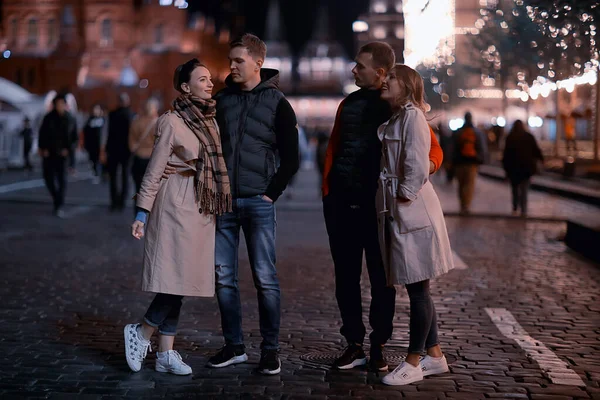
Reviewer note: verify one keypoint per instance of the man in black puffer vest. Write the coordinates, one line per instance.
(349, 187)
(258, 127)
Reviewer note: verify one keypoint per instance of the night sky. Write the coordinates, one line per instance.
(299, 17)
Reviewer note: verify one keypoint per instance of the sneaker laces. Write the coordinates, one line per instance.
(143, 352)
(177, 355)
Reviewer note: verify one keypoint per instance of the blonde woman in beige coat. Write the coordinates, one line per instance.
(412, 232)
(180, 214)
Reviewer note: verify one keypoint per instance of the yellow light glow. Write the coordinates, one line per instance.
(429, 32)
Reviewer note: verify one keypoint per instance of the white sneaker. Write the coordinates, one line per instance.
(136, 347)
(433, 365)
(403, 375)
(170, 361)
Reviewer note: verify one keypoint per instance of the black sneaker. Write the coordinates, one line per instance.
(377, 361)
(269, 362)
(228, 355)
(353, 357)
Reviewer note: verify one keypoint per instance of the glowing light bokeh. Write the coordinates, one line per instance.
(430, 29)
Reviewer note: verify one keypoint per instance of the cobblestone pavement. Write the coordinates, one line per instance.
(68, 287)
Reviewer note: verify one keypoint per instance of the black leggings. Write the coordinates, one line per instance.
(423, 318)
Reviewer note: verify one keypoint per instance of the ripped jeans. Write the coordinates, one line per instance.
(256, 217)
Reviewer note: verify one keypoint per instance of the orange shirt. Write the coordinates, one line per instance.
(436, 155)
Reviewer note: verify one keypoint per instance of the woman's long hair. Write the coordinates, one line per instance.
(412, 83)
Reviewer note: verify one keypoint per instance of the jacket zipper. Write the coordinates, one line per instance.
(242, 132)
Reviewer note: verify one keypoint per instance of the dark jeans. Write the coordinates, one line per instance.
(256, 217)
(163, 313)
(352, 231)
(423, 318)
(118, 195)
(138, 169)
(94, 156)
(26, 151)
(519, 194)
(55, 175)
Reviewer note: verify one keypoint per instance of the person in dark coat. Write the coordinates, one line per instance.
(117, 151)
(57, 136)
(92, 137)
(521, 154)
(27, 135)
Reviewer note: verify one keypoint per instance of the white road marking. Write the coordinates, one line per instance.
(458, 262)
(35, 183)
(551, 365)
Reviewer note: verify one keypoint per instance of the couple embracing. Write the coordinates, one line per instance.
(218, 155)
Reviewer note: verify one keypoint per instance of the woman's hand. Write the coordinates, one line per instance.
(169, 170)
(137, 229)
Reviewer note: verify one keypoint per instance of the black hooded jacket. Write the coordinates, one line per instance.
(259, 136)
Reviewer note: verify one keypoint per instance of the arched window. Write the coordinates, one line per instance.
(51, 31)
(32, 32)
(159, 34)
(14, 29)
(106, 32)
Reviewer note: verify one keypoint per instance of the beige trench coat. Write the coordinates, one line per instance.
(412, 234)
(179, 252)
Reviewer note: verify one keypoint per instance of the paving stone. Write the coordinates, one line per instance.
(62, 316)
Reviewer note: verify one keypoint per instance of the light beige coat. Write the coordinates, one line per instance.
(412, 234)
(179, 252)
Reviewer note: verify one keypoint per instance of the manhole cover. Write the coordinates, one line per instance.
(325, 359)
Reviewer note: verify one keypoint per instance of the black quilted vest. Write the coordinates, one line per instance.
(355, 166)
(247, 124)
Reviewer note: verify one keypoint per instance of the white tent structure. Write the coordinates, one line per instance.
(16, 103)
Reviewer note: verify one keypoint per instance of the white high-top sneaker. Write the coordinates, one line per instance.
(403, 375)
(136, 347)
(170, 361)
(434, 365)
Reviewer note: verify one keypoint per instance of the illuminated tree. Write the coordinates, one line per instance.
(569, 28)
(508, 46)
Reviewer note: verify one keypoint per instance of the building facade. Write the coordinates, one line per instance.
(383, 22)
(96, 49)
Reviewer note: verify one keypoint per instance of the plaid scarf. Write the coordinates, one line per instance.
(213, 189)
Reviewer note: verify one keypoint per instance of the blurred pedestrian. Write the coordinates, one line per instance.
(412, 232)
(117, 151)
(570, 133)
(141, 141)
(521, 155)
(27, 135)
(446, 144)
(349, 185)
(92, 139)
(322, 141)
(58, 134)
(179, 252)
(470, 149)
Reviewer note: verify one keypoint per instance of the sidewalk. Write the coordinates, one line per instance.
(569, 189)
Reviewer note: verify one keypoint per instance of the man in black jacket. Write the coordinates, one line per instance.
(57, 135)
(117, 151)
(349, 186)
(257, 124)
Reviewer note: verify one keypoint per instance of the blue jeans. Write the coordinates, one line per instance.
(256, 217)
(163, 313)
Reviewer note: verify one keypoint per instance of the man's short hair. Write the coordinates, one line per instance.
(382, 53)
(59, 97)
(256, 47)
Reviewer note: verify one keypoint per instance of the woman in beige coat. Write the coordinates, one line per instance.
(180, 213)
(412, 232)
